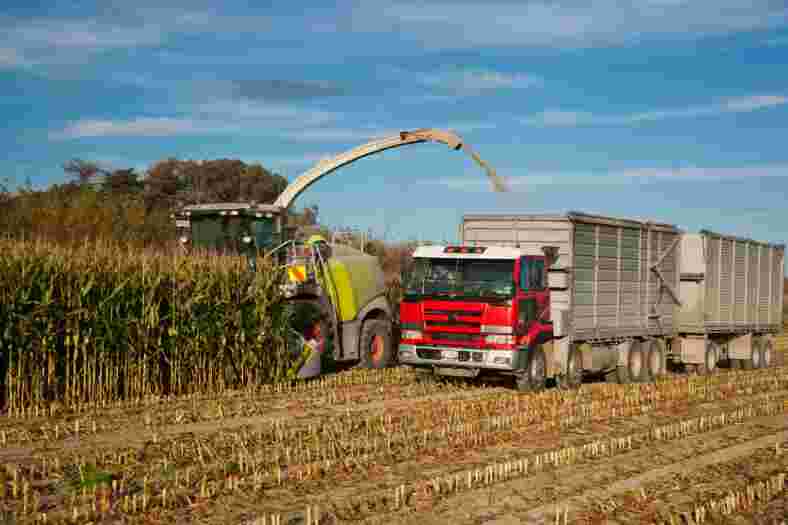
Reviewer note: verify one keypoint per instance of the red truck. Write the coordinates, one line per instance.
(563, 296)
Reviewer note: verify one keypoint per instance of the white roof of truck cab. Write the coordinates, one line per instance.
(490, 252)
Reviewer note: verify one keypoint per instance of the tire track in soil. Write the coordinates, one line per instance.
(533, 500)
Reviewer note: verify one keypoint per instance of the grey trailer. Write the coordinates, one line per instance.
(613, 287)
(732, 298)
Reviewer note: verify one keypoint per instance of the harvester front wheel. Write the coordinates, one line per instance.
(376, 349)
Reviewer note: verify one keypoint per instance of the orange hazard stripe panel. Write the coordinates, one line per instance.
(296, 273)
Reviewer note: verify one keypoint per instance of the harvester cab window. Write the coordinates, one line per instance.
(532, 275)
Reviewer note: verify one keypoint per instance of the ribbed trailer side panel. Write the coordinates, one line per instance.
(741, 283)
(616, 292)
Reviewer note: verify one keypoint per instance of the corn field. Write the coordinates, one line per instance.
(150, 388)
(104, 323)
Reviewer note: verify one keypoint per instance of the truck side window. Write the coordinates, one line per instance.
(524, 282)
(531, 274)
(537, 275)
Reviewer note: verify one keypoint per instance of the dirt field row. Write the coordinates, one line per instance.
(384, 447)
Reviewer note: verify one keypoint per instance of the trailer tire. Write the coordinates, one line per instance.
(637, 364)
(533, 378)
(655, 359)
(766, 354)
(375, 346)
(711, 359)
(754, 361)
(574, 370)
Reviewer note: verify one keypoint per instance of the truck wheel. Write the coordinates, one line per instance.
(711, 358)
(574, 370)
(533, 378)
(375, 347)
(637, 366)
(655, 359)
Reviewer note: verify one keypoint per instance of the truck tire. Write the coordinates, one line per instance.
(533, 378)
(655, 359)
(618, 376)
(711, 358)
(637, 365)
(574, 370)
(375, 348)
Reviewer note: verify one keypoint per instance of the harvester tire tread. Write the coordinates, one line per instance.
(370, 330)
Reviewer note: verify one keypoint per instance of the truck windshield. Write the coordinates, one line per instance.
(461, 277)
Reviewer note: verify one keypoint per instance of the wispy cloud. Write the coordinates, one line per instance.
(52, 40)
(460, 24)
(477, 80)
(568, 118)
(277, 89)
(137, 127)
(616, 178)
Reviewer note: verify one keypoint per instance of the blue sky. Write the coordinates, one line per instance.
(665, 109)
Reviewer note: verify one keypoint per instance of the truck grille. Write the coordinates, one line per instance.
(451, 336)
(428, 354)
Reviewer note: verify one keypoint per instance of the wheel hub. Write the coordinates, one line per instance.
(376, 348)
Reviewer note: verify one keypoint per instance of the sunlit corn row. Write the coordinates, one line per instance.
(103, 323)
(154, 417)
(316, 458)
(756, 493)
(715, 492)
(482, 412)
(176, 488)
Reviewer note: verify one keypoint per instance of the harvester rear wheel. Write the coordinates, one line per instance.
(655, 359)
(637, 365)
(766, 354)
(376, 349)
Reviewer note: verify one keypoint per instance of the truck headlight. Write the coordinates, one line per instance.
(499, 339)
(411, 334)
(183, 239)
(407, 352)
(246, 239)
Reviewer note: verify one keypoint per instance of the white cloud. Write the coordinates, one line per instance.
(475, 80)
(138, 127)
(561, 23)
(566, 118)
(521, 183)
(46, 41)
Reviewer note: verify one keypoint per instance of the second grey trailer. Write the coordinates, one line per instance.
(732, 299)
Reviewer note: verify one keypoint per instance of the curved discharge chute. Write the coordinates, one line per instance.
(326, 166)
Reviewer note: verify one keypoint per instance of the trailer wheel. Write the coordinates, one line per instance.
(655, 359)
(711, 358)
(376, 348)
(766, 354)
(574, 370)
(533, 378)
(637, 365)
(754, 361)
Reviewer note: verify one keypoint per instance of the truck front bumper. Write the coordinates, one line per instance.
(418, 355)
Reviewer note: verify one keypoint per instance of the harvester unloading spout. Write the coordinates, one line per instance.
(327, 166)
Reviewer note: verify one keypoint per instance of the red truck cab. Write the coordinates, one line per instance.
(470, 310)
